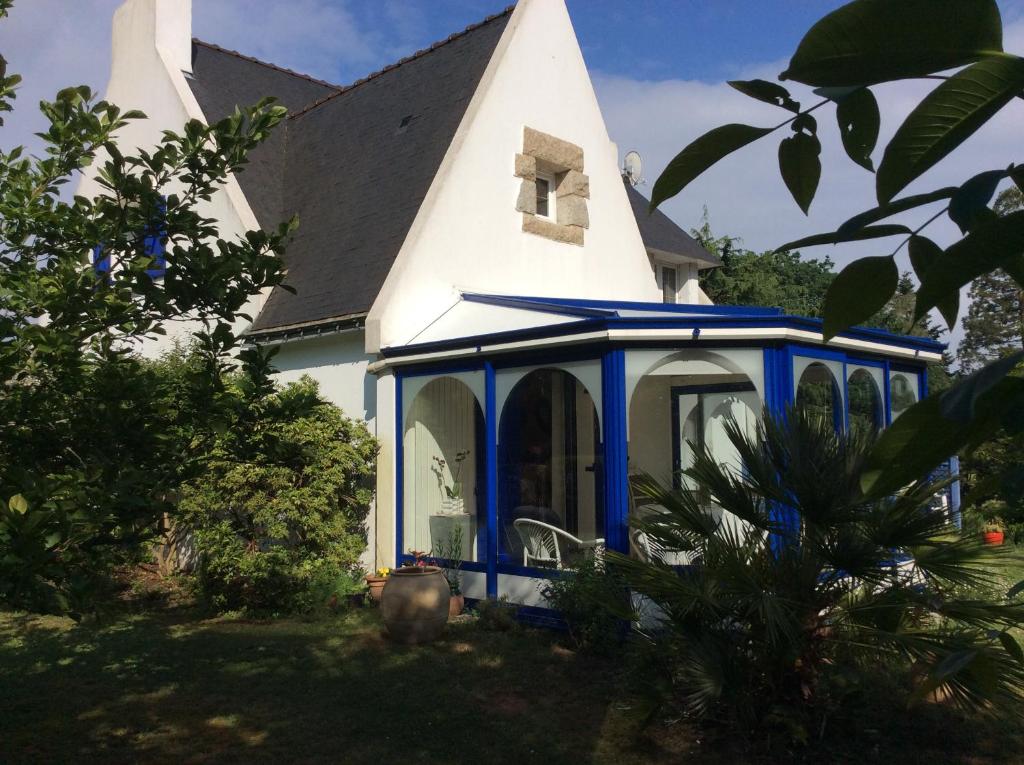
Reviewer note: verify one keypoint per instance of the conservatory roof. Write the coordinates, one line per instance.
(479, 323)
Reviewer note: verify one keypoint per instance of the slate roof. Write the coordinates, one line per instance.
(355, 162)
(660, 232)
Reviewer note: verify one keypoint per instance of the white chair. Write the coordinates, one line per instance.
(542, 542)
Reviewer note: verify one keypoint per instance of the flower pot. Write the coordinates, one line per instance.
(456, 603)
(453, 506)
(376, 587)
(415, 604)
(993, 537)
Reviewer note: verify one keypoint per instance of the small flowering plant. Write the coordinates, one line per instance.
(383, 571)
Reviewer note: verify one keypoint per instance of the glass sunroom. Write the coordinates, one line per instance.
(518, 442)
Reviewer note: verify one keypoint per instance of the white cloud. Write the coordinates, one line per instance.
(744, 193)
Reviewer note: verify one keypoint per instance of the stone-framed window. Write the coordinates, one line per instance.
(558, 213)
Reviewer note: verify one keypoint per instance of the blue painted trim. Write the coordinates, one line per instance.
(887, 393)
(552, 356)
(534, 304)
(616, 468)
(535, 572)
(954, 492)
(399, 469)
(604, 323)
(479, 567)
(846, 398)
(446, 368)
(617, 305)
(491, 460)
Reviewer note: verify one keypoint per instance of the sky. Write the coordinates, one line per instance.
(659, 68)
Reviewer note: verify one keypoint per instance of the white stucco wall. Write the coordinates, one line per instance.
(151, 47)
(468, 234)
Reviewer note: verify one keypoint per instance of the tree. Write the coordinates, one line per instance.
(994, 325)
(844, 54)
(87, 460)
(781, 279)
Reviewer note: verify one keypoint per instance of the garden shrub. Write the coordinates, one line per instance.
(278, 517)
(582, 595)
(497, 615)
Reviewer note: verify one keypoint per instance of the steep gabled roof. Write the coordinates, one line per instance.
(354, 163)
(661, 233)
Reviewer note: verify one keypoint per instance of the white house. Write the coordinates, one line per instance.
(475, 279)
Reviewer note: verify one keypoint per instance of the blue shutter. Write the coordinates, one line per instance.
(155, 247)
(100, 262)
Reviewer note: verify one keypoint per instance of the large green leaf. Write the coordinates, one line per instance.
(858, 292)
(969, 205)
(961, 403)
(923, 254)
(800, 165)
(835, 237)
(895, 207)
(996, 244)
(870, 41)
(923, 437)
(700, 155)
(945, 118)
(859, 121)
(769, 92)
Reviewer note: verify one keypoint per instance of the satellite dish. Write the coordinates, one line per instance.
(632, 166)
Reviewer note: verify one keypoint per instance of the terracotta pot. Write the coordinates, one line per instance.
(376, 587)
(993, 537)
(415, 604)
(455, 605)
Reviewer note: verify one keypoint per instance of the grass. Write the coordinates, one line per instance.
(166, 684)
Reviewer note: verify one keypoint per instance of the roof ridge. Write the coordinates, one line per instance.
(267, 64)
(412, 57)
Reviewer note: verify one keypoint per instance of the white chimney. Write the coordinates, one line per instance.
(162, 24)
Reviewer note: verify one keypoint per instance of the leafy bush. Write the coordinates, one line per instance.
(497, 615)
(581, 595)
(278, 515)
(791, 601)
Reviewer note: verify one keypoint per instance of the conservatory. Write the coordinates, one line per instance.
(516, 444)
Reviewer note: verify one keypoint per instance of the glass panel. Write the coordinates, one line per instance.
(818, 393)
(866, 411)
(543, 193)
(444, 485)
(550, 484)
(903, 387)
(668, 284)
(684, 401)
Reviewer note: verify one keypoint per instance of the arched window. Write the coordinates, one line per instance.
(866, 410)
(818, 393)
(902, 392)
(443, 464)
(549, 467)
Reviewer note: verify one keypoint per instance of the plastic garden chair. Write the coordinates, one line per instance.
(543, 543)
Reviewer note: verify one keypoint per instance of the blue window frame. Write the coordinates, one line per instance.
(154, 245)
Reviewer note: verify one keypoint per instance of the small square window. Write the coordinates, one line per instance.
(669, 284)
(545, 196)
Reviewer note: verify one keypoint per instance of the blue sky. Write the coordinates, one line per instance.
(659, 68)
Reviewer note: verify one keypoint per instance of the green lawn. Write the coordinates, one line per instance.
(167, 685)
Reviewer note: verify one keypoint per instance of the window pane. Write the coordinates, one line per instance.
(668, 285)
(902, 392)
(549, 483)
(443, 463)
(543, 192)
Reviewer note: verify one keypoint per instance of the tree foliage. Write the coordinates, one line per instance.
(277, 516)
(859, 45)
(87, 463)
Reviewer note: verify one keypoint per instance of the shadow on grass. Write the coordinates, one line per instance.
(160, 687)
(170, 686)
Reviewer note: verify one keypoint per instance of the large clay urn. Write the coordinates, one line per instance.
(415, 604)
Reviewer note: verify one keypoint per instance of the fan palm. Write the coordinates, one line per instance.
(810, 578)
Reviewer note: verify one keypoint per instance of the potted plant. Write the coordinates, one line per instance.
(415, 603)
(375, 583)
(448, 555)
(993, 531)
(452, 503)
